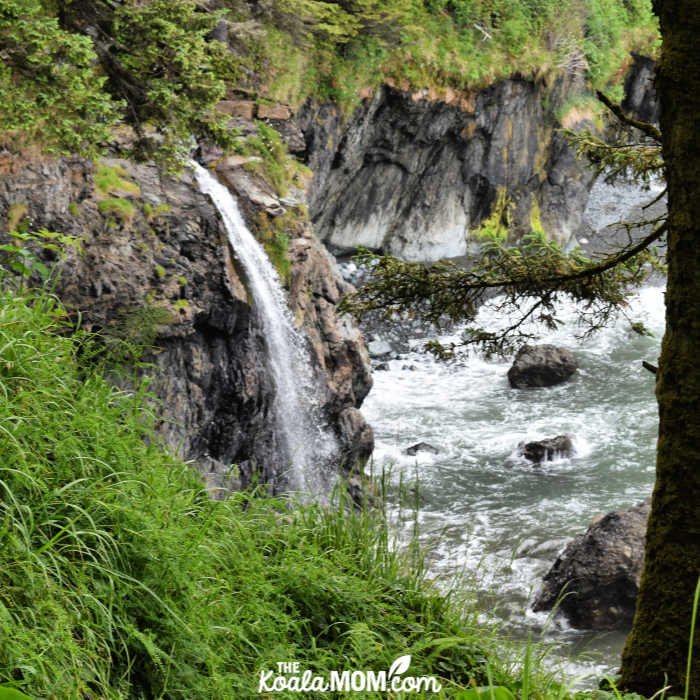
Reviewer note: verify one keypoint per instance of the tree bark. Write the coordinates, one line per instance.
(656, 650)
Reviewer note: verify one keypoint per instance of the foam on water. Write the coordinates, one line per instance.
(485, 508)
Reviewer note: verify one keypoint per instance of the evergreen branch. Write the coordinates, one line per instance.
(645, 127)
(614, 260)
(538, 270)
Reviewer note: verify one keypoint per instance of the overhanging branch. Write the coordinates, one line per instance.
(645, 127)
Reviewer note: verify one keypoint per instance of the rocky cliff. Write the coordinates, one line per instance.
(155, 255)
(413, 175)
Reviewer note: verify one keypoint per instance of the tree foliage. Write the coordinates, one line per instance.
(72, 69)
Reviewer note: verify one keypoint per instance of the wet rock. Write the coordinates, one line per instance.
(421, 447)
(547, 450)
(170, 259)
(412, 176)
(541, 365)
(379, 348)
(599, 571)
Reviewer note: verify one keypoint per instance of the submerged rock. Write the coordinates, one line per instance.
(421, 447)
(599, 571)
(547, 450)
(541, 365)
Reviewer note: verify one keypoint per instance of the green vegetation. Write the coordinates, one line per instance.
(121, 579)
(152, 74)
(337, 49)
(73, 209)
(275, 232)
(122, 208)
(112, 180)
(270, 158)
(15, 214)
(64, 86)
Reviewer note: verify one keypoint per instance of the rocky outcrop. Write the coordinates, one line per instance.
(541, 365)
(155, 258)
(546, 450)
(412, 176)
(640, 95)
(597, 576)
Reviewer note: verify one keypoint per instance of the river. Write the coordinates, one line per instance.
(492, 520)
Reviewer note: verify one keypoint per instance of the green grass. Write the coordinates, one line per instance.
(118, 206)
(119, 578)
(435, 44)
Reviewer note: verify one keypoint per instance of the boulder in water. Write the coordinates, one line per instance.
(546, 450)
(599, 571)
(541, 365)
(421, 447)
(379, 349)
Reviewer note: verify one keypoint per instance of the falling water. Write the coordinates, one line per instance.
(307, 447)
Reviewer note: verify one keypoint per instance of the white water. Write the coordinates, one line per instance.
(490, 516)
(488, 513)
(307, 446)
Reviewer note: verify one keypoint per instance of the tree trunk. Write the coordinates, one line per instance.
(657, 647)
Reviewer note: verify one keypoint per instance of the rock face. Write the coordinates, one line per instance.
(599, 572)
(155, 248)
(412, 176)
(640, 96)
(541, 365)
(546, 450)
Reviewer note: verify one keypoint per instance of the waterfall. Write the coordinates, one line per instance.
(307, 446)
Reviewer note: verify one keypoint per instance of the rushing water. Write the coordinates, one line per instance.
(486, 510)
(307, 446)
(488, 515)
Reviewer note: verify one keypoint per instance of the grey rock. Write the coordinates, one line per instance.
(599, 572)
(209, 368)
(641, 100)
(379, 348)
(547, 450)
(413, 177)
(382, 367)
(541, 365)
(421, 447)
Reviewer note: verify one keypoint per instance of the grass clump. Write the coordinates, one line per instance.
(276, 232)
(270, 158)
(112, 180)
(120, 579)
(122, 208)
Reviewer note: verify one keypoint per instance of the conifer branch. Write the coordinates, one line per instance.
(645, 127)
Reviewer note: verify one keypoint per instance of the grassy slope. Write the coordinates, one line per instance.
(460, 44)
(120, 579)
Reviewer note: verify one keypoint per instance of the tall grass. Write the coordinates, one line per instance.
(119, 578)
